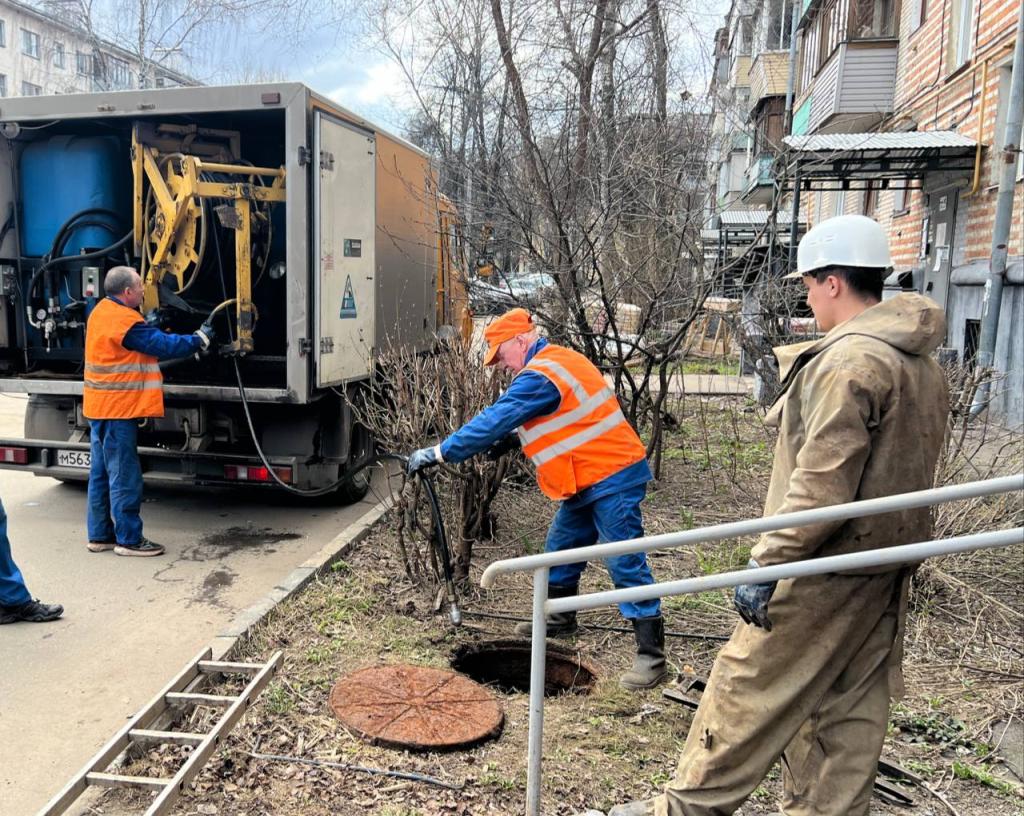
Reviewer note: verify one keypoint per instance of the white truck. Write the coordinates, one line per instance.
(315, 238)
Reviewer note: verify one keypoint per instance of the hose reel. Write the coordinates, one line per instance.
(175, 194)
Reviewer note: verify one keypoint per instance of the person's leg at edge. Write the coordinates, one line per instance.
(571, 527)
(122, 457)
(99, 527)
(829, 767)
(618, 518)
(765, 685)
(13, 591)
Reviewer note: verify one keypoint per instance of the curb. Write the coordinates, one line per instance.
(236, 632)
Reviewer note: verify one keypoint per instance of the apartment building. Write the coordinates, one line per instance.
(900, 114)
(46, 51)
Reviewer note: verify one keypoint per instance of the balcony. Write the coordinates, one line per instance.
(769, 73)
(852, 92)
(760, 182)
(739, 72)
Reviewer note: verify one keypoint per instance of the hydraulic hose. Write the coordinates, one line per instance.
(379, 456)
(54, 262)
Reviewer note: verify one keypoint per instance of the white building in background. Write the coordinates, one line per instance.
(46, 51)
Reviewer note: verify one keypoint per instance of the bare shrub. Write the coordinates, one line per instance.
(416, 401)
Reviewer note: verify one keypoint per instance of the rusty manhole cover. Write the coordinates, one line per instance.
(416, 707)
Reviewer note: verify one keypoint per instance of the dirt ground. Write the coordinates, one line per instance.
(964, 667)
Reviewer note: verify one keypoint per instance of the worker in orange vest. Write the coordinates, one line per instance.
(587, 456)
(123, 384)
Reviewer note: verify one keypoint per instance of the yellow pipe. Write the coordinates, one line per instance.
(976, 183)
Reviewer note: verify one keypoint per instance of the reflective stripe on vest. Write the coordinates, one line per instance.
(118, 383)
(587, 438)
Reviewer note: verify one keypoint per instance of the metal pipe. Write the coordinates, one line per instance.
(734, 529)
(791, 78)
(538, 657)
(794, 223)
(905, 553)
(976, 181)
(993, 298)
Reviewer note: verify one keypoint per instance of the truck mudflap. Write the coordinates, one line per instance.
(70, 462)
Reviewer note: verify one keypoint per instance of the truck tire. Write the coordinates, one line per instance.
(353, 489)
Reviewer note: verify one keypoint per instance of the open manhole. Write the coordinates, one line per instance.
(416, 707)
(505, 664)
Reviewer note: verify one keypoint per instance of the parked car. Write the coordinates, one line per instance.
(531, 289)
(488, 299)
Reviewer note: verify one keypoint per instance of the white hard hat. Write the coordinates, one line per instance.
(846, 240)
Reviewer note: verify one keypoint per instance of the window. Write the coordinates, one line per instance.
(870, 200)
(28, 89)
(59, 57)
(29, 43)
(768, 125)
(828, 34)
(901, 198)
(119, 75)
(918, 13)
(960, 33)
(871, 19)
(3, 34)
(83, 64)
(3, 84)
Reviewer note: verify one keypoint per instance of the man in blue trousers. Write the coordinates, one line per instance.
(588, 457)
(16, 604)
(122, 385)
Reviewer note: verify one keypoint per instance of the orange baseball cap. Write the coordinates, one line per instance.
(511, 324)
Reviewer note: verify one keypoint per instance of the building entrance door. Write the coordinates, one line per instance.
(939, 256)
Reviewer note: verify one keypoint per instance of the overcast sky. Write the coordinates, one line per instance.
(339, 60)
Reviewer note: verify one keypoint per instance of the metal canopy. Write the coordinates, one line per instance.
(853, 159)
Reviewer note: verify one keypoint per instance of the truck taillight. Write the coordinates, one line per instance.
(17, 456)
(251, 473)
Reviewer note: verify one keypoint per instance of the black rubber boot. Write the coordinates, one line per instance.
(649, 664)
(561, 624)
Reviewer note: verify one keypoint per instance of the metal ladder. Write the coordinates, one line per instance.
(143, 729)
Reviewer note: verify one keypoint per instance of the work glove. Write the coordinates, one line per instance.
(506, 444)
(751, 601)
(206, 336)
(422, 458)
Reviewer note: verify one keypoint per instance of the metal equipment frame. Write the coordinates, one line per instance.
(541, 564)
(179, 202)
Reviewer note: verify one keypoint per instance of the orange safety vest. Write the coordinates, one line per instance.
(119, 384)
(587, 438)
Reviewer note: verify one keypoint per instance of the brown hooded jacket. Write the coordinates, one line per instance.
(862, 414)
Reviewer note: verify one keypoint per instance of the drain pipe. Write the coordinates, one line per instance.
(993, 300)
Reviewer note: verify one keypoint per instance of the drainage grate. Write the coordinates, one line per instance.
(415, 707)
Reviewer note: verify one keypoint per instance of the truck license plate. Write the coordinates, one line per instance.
(74, 459)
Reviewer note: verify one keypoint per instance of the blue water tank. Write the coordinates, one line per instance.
(62, 175)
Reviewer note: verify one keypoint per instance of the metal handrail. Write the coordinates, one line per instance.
(540, 566)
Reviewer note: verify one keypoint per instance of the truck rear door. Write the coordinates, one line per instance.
(344, 212)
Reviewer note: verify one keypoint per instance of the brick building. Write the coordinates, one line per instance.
(899, 114)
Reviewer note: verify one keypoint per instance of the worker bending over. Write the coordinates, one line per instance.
(587, 456)
(809, 675)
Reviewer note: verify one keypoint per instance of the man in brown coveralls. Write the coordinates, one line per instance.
(862, 414)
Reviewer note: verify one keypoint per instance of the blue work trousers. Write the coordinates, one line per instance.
(615, 517)
(13, 591)
(115, 482)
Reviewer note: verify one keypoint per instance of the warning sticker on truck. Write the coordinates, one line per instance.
(348, 300)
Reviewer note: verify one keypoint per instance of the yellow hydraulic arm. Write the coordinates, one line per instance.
(178, 189)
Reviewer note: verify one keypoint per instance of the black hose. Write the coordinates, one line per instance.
(426, 479)
(67, 225)
(54, 262)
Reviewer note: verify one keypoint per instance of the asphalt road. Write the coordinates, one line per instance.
(130, 623)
